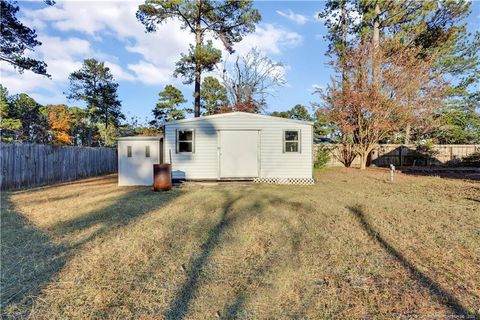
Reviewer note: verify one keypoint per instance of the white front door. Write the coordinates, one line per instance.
(238, 154)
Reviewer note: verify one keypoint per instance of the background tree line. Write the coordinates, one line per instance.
(406, 71)
(25, 120)
(22, 119)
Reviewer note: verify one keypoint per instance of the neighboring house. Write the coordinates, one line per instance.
(230, 146)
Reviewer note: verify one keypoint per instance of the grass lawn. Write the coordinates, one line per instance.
(352, 246)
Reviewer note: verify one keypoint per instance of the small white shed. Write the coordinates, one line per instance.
(136, 156)
(229, 146)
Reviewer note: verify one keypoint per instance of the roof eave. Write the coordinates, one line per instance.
(237, 112)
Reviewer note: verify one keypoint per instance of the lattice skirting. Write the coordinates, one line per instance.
(296, 181)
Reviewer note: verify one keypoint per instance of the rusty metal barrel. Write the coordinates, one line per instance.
(162, 177)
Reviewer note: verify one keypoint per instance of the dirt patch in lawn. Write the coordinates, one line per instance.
(351, 246)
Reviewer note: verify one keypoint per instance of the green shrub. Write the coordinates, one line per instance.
(426, 153)
(322, 157)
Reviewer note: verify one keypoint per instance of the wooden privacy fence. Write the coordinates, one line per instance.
(30, 165)
(406, 155)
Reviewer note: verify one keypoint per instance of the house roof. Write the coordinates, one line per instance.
(141, 138)
(230, 114)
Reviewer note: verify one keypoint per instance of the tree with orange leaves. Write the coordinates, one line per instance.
(59, 120)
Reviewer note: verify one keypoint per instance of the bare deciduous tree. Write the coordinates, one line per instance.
(250, 79)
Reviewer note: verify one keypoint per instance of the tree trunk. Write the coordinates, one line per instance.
(344, 42)
(375, 45)
(106, 127)
(407, 134)
(198, 70)
(89, 136)
(198, 79)
(363, 160)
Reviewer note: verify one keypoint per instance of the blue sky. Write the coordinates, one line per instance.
(143, 63)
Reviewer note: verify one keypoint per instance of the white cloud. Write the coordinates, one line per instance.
(94, 21)
(117, 19)
(86, 17)
(119, 73)
(269, 39)
(23, 82)
(294, 17)
(58, 48)
(62, 57)
(149, 73)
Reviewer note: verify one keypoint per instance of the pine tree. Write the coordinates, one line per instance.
(16, 39)
(95, 85)
(34, 125)
(168, 106)
(228, 21)
(213, 96)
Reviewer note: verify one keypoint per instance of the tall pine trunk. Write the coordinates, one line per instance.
(198, 79)
(198, 71)
(375, 45)
(344, 42)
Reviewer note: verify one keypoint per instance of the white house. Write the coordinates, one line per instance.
(230, 146)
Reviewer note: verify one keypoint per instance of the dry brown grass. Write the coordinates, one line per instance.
(352, 246)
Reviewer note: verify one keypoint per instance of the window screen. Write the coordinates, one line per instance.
(129, 151)
(291, 141)
(185, 140)
(147, 151)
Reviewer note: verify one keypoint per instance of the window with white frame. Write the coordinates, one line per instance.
(185, 141)
(129, 151)
(291, 141)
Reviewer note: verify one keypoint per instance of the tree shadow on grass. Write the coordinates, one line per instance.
(30, 257)
(179, 307)
(94, 181)
(235, 307)
(124, 210)
(422, 279)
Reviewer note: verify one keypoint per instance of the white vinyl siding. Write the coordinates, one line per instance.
(273, 162)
